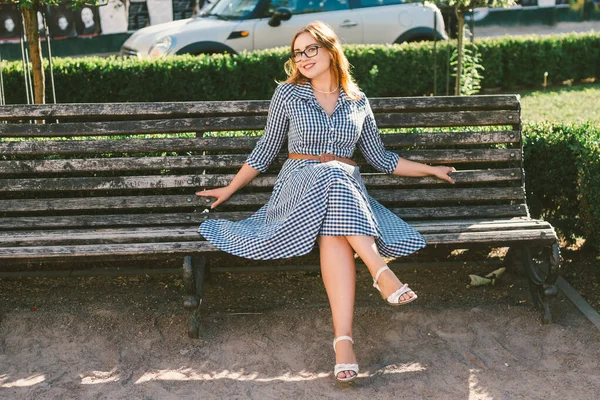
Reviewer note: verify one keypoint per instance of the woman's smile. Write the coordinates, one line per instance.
(308, 65)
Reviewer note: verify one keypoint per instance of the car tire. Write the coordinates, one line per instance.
(206, 48)
(416, 39)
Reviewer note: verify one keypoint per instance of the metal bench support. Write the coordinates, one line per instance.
(194, 271)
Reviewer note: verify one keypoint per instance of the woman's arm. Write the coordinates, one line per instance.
(412, 168)
(241, 179)
(383, 160)
(262, 155)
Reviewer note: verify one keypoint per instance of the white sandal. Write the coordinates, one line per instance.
(394, 298)
(344, 367)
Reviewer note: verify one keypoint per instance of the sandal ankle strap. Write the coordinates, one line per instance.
(384, 268)
(340, 338)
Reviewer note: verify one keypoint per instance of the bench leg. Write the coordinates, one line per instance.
(511, 257)
(194, 269)
(542, 274)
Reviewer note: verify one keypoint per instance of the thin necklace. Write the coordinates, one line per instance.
(321, 91)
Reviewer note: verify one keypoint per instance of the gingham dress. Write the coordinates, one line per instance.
(312, 198)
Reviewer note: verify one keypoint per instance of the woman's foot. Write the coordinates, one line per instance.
(389, 283)
(344, 355)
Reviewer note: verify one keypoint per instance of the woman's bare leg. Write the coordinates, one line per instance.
(366, 249)
(339, 276)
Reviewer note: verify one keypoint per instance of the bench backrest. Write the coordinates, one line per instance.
(139, 164)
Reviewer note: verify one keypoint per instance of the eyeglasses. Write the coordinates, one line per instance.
(309, 52)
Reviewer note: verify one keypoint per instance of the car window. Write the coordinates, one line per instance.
(375, 3)
(308, 6)
(232, 9)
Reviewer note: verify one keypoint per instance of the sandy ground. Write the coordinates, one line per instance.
(268, 336)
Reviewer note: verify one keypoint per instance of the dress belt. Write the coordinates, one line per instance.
(323, 158)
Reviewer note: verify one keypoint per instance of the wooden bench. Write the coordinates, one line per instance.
(107, 181)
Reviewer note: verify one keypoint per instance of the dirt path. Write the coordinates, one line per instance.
(123, 338)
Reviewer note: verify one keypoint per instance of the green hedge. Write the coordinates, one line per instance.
(562, 166)
(393, 70)
(589, 188)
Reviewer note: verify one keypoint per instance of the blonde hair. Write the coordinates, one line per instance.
(340, 67)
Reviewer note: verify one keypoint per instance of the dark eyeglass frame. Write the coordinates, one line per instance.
(298, 54)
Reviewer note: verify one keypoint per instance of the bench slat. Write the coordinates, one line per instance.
(77, 147)
(250, 107)
(447, 103)
(240, 143)
(99, 250)
(208, 181)
(164, 219)
(396, 196)
(167, 234)
(132, 111)
(251, 123)
(537, 236)
(118, 128)
(432, 226)
(445, 119)
(495, 238)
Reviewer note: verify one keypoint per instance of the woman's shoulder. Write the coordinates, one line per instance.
(284, 89)
(359, 98)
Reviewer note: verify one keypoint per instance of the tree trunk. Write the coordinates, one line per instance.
(460, 14)
(35, 50)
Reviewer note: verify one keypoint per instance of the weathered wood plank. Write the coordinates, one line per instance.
(166, 219)
(472, 211)
(97, 250)
(445, 196)
(208, 181)
(80, 147)
(120, 164)
(101, 232)
(242, 143)
(72, 237)
(395, 196)
(446, 103)
(251, 107)
(486, 223)
(69, 147)
(131, 111)
(74, 129)
(459, 226)
(452, 118)
(427, 139)
(538, 236)
(115, 236)
(102, 221)
(235, 123)
(213, 162)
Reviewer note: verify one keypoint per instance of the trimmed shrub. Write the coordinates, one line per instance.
(380, 70)
(562, 177)
(589, 187)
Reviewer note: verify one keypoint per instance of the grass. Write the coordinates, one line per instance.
(579, 103)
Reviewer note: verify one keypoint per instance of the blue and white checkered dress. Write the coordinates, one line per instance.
(312, 198)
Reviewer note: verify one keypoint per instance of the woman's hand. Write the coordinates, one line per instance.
(443, 172)
(221, 194)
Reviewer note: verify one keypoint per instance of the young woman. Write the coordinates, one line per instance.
(319, 195)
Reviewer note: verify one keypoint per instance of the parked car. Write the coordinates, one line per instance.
(232, 26)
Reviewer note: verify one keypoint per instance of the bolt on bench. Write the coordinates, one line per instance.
(110, 181)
